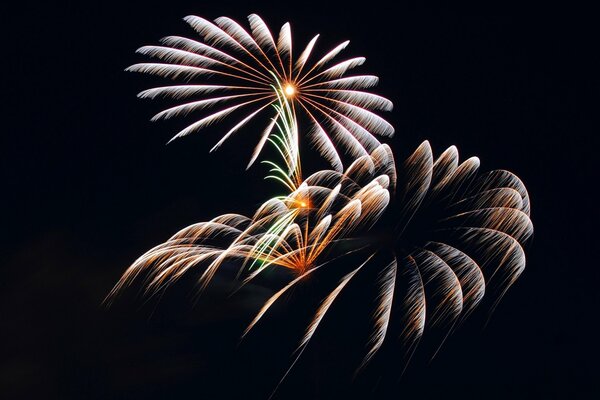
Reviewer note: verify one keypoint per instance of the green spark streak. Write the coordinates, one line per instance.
(266, 245)
(285, 141)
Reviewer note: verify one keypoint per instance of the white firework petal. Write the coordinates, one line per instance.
(169, 70)
(320, 229)
(331, 55)
(366, 118)
(366, 100)
(387, 284)
(187, 108)
(341, 133)
(304, 56)
(444, 167)
(366, 139)
(262, 141)
(350, 82)
(233, 220)
(419, 167)
(414, 302)
(204, 230)
(325, 146)
(323, 143)
(261, 33)
(215, 56)
(284, 45)
(175, 71)
(339, 69)
(184, 91)
(236, 31)
(211, 119)
(178, 56)
(238, 126)
(384, 181)
(503, 178)
(446, 287)
(460, 177)
(374, 203)
(212, 33)
(241, 35)
(217, 36)
(228, 60)
(199, 48)
(383, 158)
(499, 197)
(507, 220)
(326, 58)
(470, 274)
(512, 255)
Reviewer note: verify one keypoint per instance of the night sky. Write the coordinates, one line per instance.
(89, 185)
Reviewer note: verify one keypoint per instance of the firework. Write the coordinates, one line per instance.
(291, 232)
(455, 236)
(253, 71)
(449, 235)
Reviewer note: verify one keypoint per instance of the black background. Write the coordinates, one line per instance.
(88, 184)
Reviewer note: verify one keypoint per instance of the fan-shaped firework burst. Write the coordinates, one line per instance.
(457, 235)
(448, 237)
(252, 71)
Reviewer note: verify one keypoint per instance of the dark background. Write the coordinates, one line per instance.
(88, 185)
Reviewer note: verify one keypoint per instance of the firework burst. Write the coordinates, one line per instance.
(293, 231)
(255, 71)
(449, 235)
